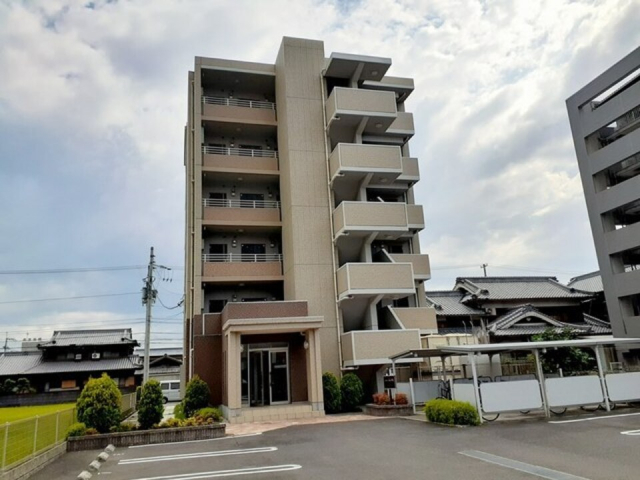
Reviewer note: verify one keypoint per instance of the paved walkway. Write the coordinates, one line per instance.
(259, 427)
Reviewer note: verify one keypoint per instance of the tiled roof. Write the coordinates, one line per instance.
(449, 302)
(589, 282)
(65, 338)
(516, 288)
(33, 364)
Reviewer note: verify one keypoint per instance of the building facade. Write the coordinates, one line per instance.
(604, 117)
(302, 254)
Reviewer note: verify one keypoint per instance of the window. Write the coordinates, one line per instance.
(175, 385)
(165, 386)
(216, 306)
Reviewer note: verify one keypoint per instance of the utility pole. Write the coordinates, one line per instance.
(148, 298)
(484, 268)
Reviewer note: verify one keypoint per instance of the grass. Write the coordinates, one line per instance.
(21, 434)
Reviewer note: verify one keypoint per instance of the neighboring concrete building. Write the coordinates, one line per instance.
(302, 253)
(605, 121)
(64, 364)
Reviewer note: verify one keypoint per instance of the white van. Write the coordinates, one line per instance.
(171, 391)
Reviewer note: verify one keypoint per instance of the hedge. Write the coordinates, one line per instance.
(331, 391)
(451, 412)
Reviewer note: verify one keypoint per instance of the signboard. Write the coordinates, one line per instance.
(389, 381)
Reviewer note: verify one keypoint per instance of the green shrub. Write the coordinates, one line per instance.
(178, 411)
(351, 392)
(196, 396)
(151, 407)
(210, 413)
(171, 423)
(123, 427)
(331, 392)
(91, 431)
(138, 395)
(451, 412)
(99, 404)
(23, 385)
(9, 386)
(76, 430)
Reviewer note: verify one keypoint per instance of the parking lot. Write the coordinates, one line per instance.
(568, 448)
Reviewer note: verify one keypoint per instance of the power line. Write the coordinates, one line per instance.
(72, 270)
(70, 298)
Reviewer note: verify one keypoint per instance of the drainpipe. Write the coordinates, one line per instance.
(333, 247)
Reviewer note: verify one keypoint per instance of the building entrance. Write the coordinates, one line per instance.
(266, 375)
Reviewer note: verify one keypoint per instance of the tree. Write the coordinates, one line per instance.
(196, 396)
(331, 392)
(99, 404)
(150, 407)
(569, 359)
(9, 386)
(23, 386)
(351, 392)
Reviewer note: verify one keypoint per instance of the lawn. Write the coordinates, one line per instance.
(22, 440)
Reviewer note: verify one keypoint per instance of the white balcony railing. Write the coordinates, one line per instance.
(239, 152)
(241, 257)
(232, 203)
(239, 102)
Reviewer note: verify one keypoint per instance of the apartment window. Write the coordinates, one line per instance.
(621, 126)
(254, 299)
(618, 173)
(216, 306)
(217, 248)
(623, 216)
(401, 302)
(252, 200)
(253, 252)
(616, 89)
(626, 261)
(630, 305)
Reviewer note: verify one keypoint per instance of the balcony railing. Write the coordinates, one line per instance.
(241, 257)
(238, 102)
(239, 152)
(232, 203)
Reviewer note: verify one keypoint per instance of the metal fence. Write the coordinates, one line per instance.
(24, 439)
(128, 403)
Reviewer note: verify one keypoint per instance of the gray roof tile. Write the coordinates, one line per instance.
(65, 338)
(589, 282)
(516, 288)
(33, 364)
(449, 303)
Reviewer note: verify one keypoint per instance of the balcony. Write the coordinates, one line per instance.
(241, 267)
(240, 212)
(352, 162)
(347, 107)
(410, 170)
(363, 218)
(372, 279)
(415, 217)
(374, 347)
(402, 125)
(236, 110)
(223, 159)
(421, 266)
(421, 318)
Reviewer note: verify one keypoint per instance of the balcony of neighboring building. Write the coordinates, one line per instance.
(626, 269)
(420, 262)
(239, 148)
(410, 171)
(238, 97)
(374, 347)
(392, 280)
(240, 200)
(400, 86)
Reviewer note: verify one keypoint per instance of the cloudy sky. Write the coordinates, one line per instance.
(93, 105)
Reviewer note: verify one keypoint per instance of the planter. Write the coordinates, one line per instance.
(388, 410)
(145, 437)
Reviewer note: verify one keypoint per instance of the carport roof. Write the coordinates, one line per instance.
(506, 347)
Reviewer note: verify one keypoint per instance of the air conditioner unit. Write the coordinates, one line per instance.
(78, 356)
(95, 356)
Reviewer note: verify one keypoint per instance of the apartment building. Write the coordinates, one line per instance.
(605, 121)
(302, 250)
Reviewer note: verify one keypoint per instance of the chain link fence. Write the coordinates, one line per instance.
(24, 439)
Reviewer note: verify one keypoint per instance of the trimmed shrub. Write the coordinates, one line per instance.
(91, 431)
(76, 430)
(178, 411)
(138, 395)
(451, 412)
(123, 427)
(331, 392)
(401, 399)
(209, 413)
(99, 404)
(171, 423)
(351, 392)
(196, 396)
(381, 399)
(151, 407)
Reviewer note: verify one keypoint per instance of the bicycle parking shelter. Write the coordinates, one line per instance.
(539, 393)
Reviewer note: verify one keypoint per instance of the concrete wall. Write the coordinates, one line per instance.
(306, 231)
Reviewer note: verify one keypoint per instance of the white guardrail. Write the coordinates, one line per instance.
(239, 152)
(241, 257)
(239, 102)
(232, 203)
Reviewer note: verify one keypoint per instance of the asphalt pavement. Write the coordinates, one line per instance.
(565, 448)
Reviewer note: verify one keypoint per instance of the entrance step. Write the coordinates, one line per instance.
(275, 413)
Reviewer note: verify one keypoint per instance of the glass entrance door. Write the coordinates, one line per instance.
(279, 363)
(268, 372)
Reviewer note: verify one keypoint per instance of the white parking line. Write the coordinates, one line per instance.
(227, 473)
(601, 417)
(185, 456)
(631, 432)
(230, 437)
(536, 470)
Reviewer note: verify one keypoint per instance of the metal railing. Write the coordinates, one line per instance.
(239, 102)
(239, 152)
(241, 257)
(232, 203)
(24, 439)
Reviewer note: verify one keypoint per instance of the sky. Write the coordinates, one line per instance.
(93, 105)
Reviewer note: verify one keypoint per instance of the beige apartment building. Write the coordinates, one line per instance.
(605, 121)
(302, 250)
